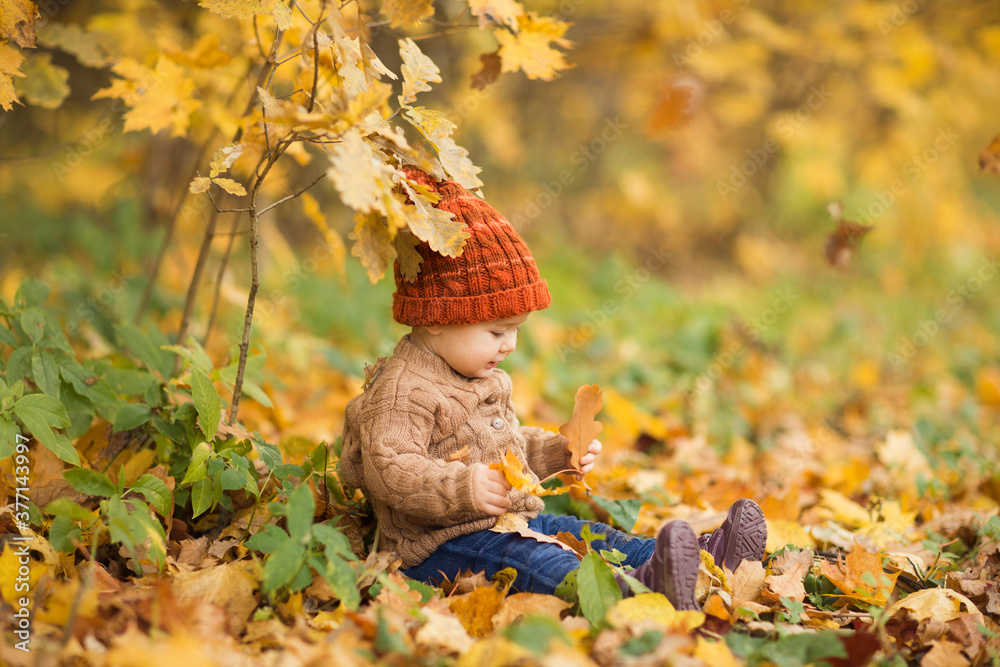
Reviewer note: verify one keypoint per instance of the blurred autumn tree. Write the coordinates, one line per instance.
(716, 132)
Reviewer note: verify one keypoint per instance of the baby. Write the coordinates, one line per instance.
(419, 441)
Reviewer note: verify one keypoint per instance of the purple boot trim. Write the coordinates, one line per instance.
(742, 536)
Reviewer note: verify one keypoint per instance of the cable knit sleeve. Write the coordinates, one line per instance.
(394, 431)
(547, 452)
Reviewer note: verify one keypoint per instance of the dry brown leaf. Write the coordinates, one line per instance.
(790, 572)
(528, 604)
(465, 582)
(443, 631)
(748, 584)
(459, 455)
(583, 428)
(509, 522)
(229, 586)
(989, 159)
(489, 72)
(942, 604)
(945, 654)
(579, 546)
(842, 242)
(677, 103)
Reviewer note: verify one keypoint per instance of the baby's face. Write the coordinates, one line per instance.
(474, 350)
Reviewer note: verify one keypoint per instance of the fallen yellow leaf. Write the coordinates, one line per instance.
(654, 607)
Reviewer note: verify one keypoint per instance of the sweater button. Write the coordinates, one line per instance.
(491, 399)
(497, 423)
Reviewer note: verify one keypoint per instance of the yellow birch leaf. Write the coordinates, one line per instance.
(17, 21)
(529, 47)
(444, 233)
(234, 9)
(505, 12)
(363, 180)
(224, 158)
(836, 506)
(372, 244)
(282, 15)
(230, 186)
(402, 13)
(86, 46)
(418, 71)
(715, 653)
(200, 184)
(582, 427)
(334, 244)
(654, 607)
(407, 257)
(10, 63)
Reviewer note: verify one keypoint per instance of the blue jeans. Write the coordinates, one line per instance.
(540, 566)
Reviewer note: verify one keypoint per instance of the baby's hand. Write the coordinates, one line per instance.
(587, 460)
(489, 491)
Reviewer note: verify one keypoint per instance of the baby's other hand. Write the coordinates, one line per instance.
(489, 491)
(587, 460)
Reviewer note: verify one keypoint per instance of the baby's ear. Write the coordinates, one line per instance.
(433, 329)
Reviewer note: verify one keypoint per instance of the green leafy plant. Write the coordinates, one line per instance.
(125, 514)
(304, 547)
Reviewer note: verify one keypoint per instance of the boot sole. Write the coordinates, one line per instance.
(680, 569)
(750, 529)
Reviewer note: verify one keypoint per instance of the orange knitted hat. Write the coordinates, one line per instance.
(494, 278)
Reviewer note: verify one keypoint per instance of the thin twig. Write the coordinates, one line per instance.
(263, 75)
(293, 196)
(218, 282)
(312, 96)
(192, 292)
(254, 279)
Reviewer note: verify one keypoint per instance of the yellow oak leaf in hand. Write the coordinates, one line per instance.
(519, 477)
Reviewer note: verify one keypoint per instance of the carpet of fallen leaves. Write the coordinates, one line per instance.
(859, 541)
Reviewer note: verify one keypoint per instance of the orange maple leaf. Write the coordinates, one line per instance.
(519, 477)
(861, 578)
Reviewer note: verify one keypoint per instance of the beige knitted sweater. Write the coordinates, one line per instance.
(400, 433)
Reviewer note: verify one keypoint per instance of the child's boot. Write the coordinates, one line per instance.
(673, 567)
(741, 537)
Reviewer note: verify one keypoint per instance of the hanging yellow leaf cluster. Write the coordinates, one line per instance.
(321, 92)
